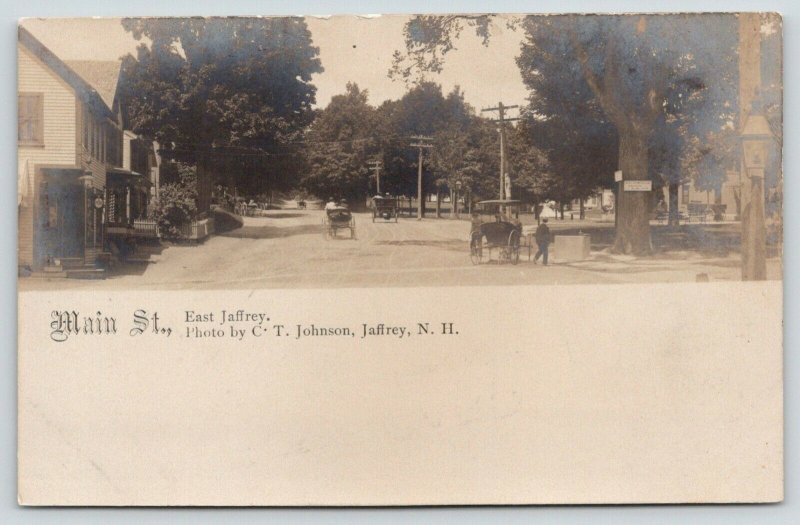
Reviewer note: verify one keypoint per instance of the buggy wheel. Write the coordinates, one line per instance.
(476, 250)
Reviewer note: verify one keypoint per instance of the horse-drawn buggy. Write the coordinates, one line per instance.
(338, 218)
(501, 233)
(384, 208)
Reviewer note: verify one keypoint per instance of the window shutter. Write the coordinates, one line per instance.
(30, 118)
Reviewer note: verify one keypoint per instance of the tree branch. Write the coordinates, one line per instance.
(601, 91)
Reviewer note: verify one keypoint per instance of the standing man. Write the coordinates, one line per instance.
(542, 241)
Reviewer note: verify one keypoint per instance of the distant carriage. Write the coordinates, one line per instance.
(384, 208)
(336, 219)
(501, 236)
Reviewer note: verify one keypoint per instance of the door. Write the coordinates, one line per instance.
(60, 224)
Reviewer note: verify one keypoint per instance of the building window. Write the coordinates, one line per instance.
(112, 148)
(30, 124)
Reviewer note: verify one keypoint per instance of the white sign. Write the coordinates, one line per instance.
(617, 175)
(638, 185)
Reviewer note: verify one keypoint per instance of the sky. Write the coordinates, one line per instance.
(357, 49)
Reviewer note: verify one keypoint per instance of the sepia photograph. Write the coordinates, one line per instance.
(289, 152)
(400, 260)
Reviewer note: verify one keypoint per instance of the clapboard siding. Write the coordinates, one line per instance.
(86, 160)
(59, 112)
(60, 127)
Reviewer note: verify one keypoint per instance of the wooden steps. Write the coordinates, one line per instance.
(48, 274)
(70, 268)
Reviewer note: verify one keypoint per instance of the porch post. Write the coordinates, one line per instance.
(86, 180)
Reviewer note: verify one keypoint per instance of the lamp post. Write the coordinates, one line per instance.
(755, 137)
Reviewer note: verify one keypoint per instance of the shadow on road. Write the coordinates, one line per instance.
(283, 215)
(450, 244)
(137, 262)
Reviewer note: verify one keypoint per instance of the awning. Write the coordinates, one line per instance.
(118, 177)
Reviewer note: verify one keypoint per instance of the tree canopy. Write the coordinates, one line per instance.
(340, 142)
(656, 86)
(216, 90)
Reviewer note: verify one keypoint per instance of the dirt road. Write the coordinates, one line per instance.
(287, 249)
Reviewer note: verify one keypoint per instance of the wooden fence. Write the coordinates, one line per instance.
(194, 231)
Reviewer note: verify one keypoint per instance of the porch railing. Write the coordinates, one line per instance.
(145, 228)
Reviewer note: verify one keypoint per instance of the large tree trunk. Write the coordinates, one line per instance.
(583, 210)
(438, 204)
(674, 215)
(633, 225)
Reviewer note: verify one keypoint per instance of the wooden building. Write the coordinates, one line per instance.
(76, 197)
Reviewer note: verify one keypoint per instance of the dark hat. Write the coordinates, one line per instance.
(544, 219)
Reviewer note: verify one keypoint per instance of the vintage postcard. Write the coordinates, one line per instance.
(400, 260)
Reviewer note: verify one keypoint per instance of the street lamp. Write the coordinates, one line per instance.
(755, 137)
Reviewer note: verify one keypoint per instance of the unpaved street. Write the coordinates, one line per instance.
(287, 249)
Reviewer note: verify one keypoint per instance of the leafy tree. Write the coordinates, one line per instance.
(176, 205)
(228, 94)
(638, 71)
(456, 164)
(340, 142)
(625, 70)
(531, 173)
(423, 110)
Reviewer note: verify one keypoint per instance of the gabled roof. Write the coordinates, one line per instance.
(102, 75)
(83, 89)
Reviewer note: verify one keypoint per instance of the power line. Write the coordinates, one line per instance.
(501, 120)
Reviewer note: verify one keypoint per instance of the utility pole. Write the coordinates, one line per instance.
(376, 165)
(754, 263)
(422, 143)
(501, 120)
